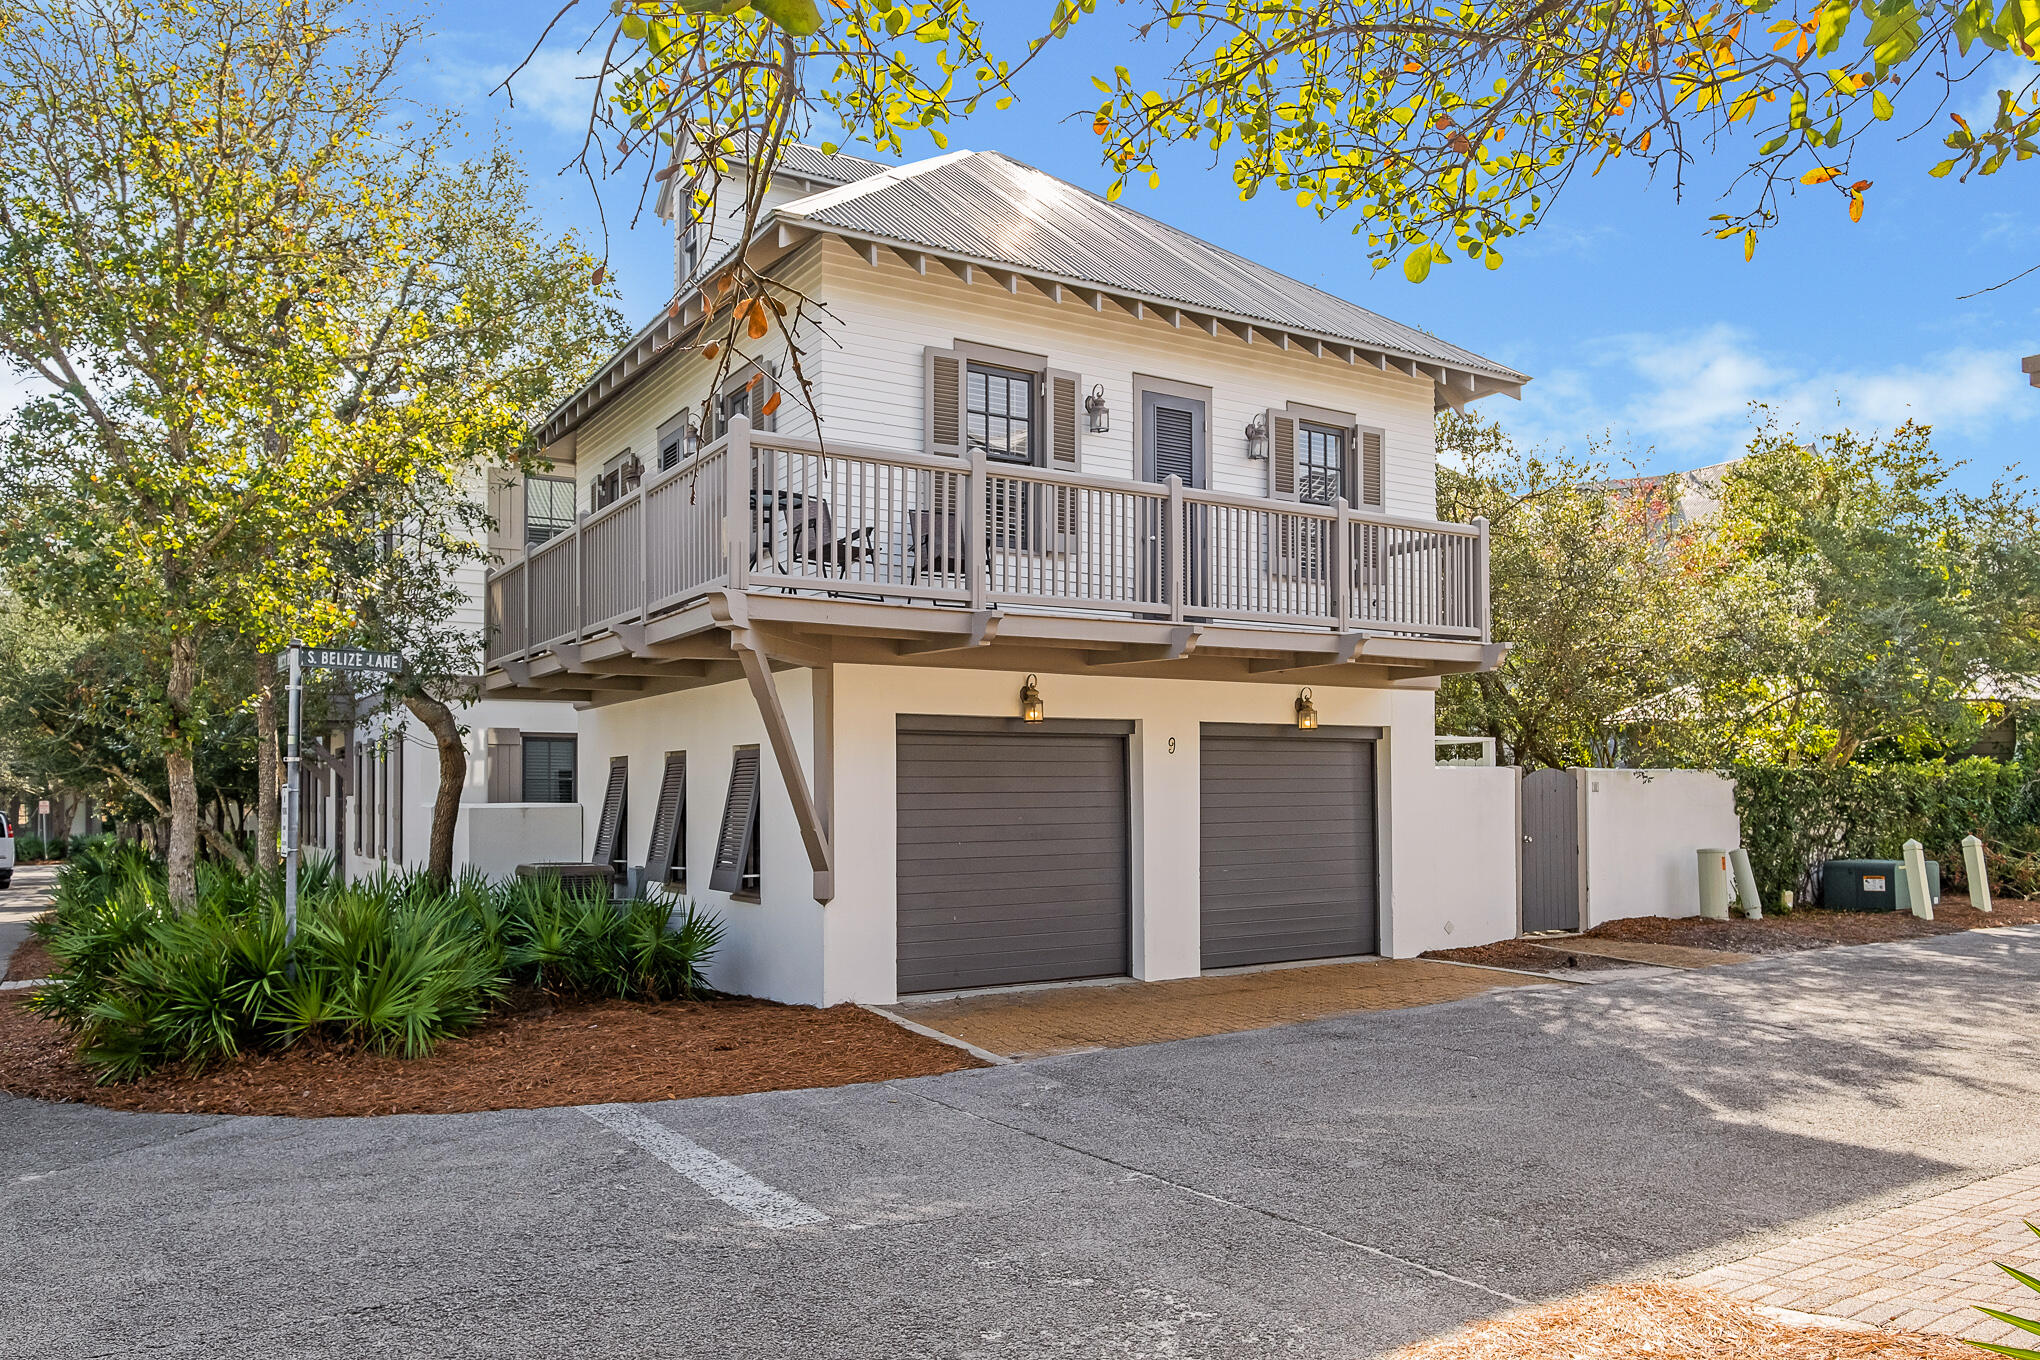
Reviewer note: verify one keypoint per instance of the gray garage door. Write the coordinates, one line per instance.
(1288, 848)
(1013, 854)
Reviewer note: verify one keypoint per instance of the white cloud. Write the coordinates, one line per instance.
(1689, 394)
(556, 87)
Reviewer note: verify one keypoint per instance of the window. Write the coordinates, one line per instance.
(666, 857)
(998, 408)
(1321, 471)
(676, 442)
(736, 868)
(617, 479)
(690, 250)
(548, 769)
(548, 508)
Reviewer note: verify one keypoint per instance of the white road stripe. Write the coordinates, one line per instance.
(731, 1184)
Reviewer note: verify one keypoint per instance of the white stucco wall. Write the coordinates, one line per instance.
(788, 947)
(1639, 834)
(1462, 871)
(497, 837)
(773, 947)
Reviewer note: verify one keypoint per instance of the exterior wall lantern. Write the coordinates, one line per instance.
(1098, 411)
(1031, 707)
(1257, 437)
(1306, 712)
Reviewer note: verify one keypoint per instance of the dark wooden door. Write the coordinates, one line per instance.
(1551, 851)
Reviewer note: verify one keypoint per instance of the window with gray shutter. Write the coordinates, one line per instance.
(1373, 484)
(666, 859)
(548, 508)
(609, 831)
(673, 441)
(736, 847)
(548, 769)
(1281, 455)
(1065, 428)
(942, 392)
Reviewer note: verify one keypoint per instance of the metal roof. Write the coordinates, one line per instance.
(988, 207)
(825, 167)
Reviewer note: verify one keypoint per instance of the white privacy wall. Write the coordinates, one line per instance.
(1640, 834)
(886, 315)
(1462, 875)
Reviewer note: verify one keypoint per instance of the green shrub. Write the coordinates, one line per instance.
(1796, 819)
(392, 965)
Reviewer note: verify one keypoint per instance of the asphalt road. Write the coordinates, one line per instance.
(1331, 1189)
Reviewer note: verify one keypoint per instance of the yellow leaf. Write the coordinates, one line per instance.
(1855, 207)
(1749, 245)
(1820, 176)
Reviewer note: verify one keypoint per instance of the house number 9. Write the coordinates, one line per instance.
(1172, 746)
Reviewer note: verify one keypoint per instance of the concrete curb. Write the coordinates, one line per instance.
(996, 1059)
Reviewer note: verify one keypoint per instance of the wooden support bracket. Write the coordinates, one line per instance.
(807, 814)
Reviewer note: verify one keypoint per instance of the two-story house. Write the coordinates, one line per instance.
(1077, 612)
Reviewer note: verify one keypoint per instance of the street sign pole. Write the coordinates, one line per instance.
(291, 790)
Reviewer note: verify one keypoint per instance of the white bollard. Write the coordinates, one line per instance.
(1979, 881)
(1746, 884)
(1714, 884)
(1916, 881)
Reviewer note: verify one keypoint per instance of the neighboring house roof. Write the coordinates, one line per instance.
(981, 209)
(986, 206)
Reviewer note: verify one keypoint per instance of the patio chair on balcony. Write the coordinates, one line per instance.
(936, 542)
(813, 538)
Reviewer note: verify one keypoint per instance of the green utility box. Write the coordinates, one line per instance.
(1872, 885)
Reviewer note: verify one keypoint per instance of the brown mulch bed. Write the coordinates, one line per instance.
(578, 1054)
(29, 961)
(1811, 928)
(1529, 957)
(1657, 1321)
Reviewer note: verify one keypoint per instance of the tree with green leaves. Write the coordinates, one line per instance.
(1440, 132)
(230, 262)
(1605, 597)
(1891, 602)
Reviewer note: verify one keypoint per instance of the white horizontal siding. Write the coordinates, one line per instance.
(885, 315)
(632, 421)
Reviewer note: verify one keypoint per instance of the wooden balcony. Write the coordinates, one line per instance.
(854, 554)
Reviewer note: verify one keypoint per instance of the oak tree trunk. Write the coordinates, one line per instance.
(439, 721)
(181, 855)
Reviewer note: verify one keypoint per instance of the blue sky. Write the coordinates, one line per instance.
(1636, 325)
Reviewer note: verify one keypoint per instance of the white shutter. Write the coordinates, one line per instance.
(942, 401)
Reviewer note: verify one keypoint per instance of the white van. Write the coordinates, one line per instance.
(6, 852)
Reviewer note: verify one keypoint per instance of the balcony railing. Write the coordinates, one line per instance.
(770, 512)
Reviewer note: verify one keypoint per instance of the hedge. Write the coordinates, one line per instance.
(1794, 820)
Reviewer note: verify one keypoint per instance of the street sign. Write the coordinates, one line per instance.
(42, 808)
(353, 659)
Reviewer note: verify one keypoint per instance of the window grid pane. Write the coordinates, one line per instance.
(999, 410)
(1321, 464)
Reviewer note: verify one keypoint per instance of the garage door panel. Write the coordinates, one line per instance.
(1287, 846)
(1013, 857)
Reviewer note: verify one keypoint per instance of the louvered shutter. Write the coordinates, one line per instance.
(668, 847)
(739, 824)
(1372, 488)
(1065, 428)
(942, 403)
(397, 799)
(1281, 455)
(1285, 545)
(610, 827)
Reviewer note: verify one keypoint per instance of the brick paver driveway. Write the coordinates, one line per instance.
(1035, 1022)
(1922, 1267)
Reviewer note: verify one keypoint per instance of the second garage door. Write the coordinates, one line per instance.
(1288, 845)
(1013, 854)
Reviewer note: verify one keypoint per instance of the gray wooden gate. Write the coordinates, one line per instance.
(1551, 851)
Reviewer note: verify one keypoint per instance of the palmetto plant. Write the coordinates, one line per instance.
(2023, 1324)
(394, 964)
